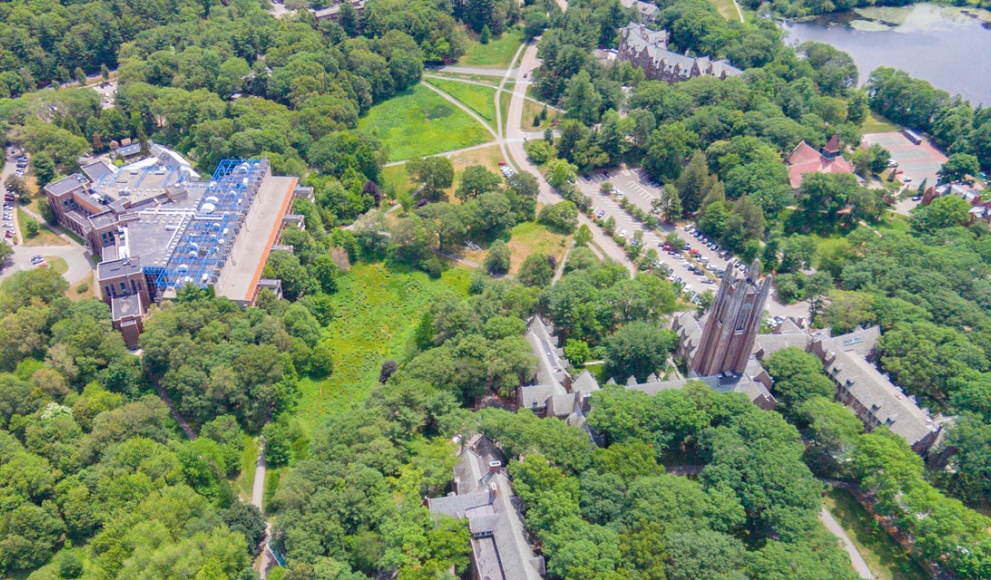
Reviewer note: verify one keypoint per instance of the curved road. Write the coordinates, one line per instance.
(515, 137)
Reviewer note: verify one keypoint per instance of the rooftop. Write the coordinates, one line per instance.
(126, 306)
(845, 358)
(484, 495)
(551, 365)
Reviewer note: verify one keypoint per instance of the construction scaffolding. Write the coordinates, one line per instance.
(202, 249)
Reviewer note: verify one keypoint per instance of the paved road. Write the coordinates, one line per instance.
(74, 255)
(467, 70)
(514, 143)
(855, 558)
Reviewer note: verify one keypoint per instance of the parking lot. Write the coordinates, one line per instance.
(636, 186)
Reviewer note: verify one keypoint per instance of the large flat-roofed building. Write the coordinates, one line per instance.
(158, 227)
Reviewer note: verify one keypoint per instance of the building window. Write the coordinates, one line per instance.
(741, 320)
(123, 288)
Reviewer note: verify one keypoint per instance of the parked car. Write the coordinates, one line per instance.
(622, 234)
(601, 213)
(708, 281)
(916, 198)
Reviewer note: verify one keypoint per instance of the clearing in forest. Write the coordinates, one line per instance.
(498, 53)
(420, 122)
(376, 311)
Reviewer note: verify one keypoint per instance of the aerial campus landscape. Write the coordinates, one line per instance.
(495, 290)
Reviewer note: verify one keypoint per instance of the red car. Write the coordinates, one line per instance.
(694, 252)
(501, 163)
(667, 247)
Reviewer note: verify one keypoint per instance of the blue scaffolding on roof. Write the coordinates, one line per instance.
(204, 245)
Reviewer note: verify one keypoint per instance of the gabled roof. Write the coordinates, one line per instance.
(803, 153)
(833, 147)
(845, 359)
(585, 383)
(500, 550)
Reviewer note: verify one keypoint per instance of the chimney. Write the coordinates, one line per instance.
(494, 467)
(493, 491)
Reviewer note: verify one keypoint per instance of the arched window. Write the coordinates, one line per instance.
(741, 320)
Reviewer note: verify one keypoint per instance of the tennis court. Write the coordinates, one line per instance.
(916, 161)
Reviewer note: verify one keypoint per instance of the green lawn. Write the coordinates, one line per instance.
(58, 264)
(498, 53)
(44, 237)
(504, 98)
(249, 457)
(376, 311)
(877, 124)
(886, 558)
(396, 179)
(533, 238)
(477, 98)
(421, 122)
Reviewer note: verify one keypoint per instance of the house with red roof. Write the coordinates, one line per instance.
(805, 159)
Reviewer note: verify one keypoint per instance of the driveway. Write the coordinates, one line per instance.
(75, 256)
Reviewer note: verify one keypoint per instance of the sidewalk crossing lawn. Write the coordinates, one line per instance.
(477, 98)
(420, 122)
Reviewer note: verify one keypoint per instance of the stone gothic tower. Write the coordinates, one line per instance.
(733, 323)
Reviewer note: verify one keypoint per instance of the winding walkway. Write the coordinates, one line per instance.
(837, 530)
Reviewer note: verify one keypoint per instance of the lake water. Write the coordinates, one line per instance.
(941, 45)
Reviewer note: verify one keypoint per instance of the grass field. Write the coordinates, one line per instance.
(496, 54)
(533, 238)
(477, 98)
(877, 124)
(81, 290)
(421, 122)
(532, 109)
(726, 9)
(491, 80)
(886, 558)
(395, 177)
(376, 311)
(44, 237)
(58, 264)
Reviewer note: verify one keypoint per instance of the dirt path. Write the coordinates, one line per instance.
(175, 412)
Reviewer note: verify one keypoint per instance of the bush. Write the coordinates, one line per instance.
(432, 267)
(31, 228)
(82, 288)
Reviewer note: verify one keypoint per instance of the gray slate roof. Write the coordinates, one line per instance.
(846, 362)
(499, 546)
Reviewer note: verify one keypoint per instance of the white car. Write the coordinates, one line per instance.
(622, 234)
